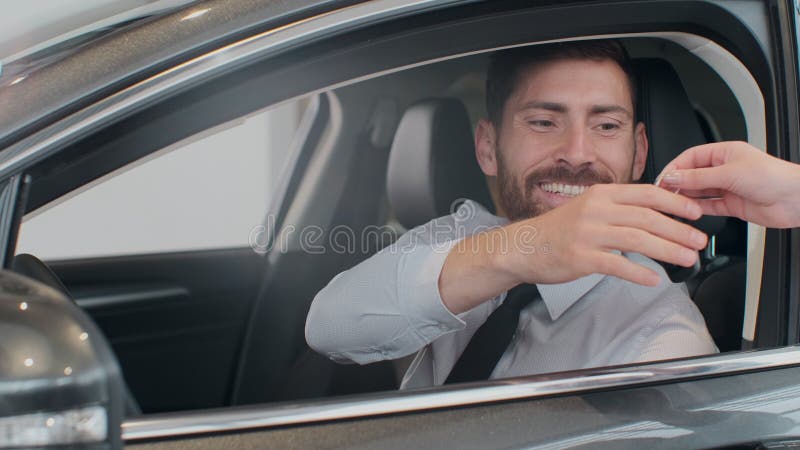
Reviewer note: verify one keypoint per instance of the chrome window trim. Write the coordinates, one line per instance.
(172, 425)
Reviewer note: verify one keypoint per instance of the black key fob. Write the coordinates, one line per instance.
(679, 274)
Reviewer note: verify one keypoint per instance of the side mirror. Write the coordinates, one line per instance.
(60, 383)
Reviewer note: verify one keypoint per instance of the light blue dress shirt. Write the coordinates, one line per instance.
(389, 307)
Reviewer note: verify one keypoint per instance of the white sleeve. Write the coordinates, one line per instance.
(388, 306)
(681, 333)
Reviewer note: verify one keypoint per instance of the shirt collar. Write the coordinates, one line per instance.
(557, 297)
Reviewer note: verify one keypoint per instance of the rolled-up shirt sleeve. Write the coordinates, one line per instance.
(386, 307)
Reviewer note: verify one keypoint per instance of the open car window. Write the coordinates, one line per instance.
(333, 212)
(213, 191)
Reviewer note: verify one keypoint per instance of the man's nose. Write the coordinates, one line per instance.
(576, 148)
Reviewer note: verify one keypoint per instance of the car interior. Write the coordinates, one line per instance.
(226, 327)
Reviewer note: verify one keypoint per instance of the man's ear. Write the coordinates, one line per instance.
(640, 151)
(485, 145)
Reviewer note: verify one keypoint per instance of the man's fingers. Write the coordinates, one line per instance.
(649, 196)
(639, 241)
(657, 224)
(621, 267)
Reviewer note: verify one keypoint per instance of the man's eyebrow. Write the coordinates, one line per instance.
(603, 109)
(549, 106)
(562, 108)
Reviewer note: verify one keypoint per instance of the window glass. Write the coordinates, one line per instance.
(208, 191)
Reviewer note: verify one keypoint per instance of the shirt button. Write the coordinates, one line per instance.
(443, 327)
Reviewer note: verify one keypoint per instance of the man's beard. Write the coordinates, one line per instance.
(517, 198)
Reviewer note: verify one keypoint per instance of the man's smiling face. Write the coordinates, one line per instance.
(567, 125)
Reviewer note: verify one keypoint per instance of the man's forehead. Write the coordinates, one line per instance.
(560, 82)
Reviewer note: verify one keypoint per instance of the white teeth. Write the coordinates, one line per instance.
(569, 190)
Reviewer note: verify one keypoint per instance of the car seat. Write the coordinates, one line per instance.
(718, 289)
(275, 363)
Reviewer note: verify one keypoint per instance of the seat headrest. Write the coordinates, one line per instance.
(432, 163)
(671, 122)
(664, 107)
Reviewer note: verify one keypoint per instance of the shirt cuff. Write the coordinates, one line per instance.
(418, 291)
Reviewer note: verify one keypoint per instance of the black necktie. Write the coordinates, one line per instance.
(493, 337)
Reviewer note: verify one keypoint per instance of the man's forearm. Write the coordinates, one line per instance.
(474, 270)
(386, 307)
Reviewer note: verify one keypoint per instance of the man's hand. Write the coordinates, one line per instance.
(583, 233)
(736, 179)
(575, 240)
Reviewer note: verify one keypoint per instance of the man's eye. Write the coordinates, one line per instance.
(541, 123)
(609, 126)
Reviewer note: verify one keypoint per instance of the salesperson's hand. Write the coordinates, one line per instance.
(737, 179)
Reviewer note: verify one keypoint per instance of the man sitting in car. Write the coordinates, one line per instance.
(562, 141)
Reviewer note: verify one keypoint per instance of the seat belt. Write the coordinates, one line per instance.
(488, 344)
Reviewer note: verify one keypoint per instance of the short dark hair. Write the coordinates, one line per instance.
(505, 67)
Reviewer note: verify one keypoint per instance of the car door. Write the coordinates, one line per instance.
(740, 399)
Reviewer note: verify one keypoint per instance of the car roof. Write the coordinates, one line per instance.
(33, 28)
(43, 86)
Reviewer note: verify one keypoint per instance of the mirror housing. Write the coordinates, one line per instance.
(60, 383)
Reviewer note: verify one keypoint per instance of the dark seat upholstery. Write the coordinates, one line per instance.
(672, 126)
(432, 163)
(666, 111)
(275, 363)
(720, 297)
